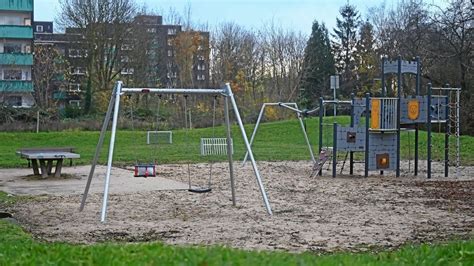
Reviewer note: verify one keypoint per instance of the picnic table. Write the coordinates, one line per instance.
(46, 158)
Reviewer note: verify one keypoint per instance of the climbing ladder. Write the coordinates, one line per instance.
(454, 129)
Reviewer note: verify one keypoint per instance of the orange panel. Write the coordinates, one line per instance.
(413, 109)
(375, 114)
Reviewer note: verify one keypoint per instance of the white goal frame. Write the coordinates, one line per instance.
(148, 133)
(113, 112)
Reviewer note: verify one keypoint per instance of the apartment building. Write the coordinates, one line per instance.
(154, 64)
(16, 57)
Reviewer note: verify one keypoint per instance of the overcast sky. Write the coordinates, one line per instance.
(291, 14)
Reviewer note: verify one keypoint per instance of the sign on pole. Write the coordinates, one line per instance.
(334, 82)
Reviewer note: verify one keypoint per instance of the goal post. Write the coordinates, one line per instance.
(113, 112)
(159, 137)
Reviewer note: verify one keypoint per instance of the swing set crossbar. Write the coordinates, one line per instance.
(174, 91)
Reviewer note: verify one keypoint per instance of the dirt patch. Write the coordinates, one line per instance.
(310, 214)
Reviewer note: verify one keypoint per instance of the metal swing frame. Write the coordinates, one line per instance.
(113, 112)
(292, 107)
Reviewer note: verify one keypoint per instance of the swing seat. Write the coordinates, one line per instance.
(145, 170)
(200, 190)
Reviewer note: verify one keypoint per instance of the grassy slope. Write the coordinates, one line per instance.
(275, 141)
(17, 247)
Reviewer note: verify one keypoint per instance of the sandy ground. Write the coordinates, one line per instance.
(310, 214)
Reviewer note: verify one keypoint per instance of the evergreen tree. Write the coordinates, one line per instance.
(368, 63)
(318, 66)
(344, 46)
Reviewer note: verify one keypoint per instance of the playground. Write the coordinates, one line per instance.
(323, 214)
(375, 181)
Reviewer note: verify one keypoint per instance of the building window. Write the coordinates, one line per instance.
(12, 48)
(127, 71)
(39, 28)
(27, 22)
(152, 30)
(200, 47)
(170, 53)
(124, 59)
(74, 87)
(13, 101)
(201, 77)
(170, 42)
(171, 31)
(74, 53)
(172, 75)
(12, 74)
(75, 103)
(79, 71)
(200, 57)
(201, 67)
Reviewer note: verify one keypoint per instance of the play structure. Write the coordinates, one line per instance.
(376, 124)
(299, 114)
(208, 147)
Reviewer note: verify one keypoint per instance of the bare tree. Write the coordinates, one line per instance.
(102, 27)
(50, 72)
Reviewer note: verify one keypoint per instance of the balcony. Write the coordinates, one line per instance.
(16, 32)
(16, 59)
(16, 86)
(16, 5)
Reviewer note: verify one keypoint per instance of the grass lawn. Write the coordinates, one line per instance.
(18, 248)
(281, 140)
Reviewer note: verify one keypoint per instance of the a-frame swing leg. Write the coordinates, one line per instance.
(310, 148)
(111, 151)
(249, 149)
(257, 124)
(105, 125)
(229, 149)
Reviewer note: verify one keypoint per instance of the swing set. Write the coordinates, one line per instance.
(208, 147)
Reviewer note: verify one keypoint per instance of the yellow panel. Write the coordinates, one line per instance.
(413, 109)
(375, 114)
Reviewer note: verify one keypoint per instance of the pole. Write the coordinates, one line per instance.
(458, 131)
(399, 94)
(428, 128)
(111, 152)
(418, 85)
(367, 134)
(320, 146)
(447, 133)
(229, 149)
(37, 121)
(351, 153)
(334, 150)
(260, 116)
(303, 128)
(384, 91)
(249, 149)
(99, 145)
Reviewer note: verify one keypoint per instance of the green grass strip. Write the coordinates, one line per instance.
(18, 248)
